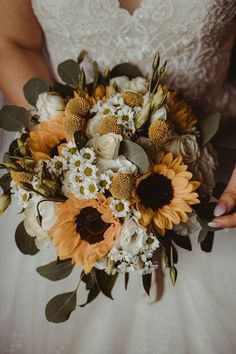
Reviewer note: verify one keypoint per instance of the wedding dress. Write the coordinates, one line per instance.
(198, 315)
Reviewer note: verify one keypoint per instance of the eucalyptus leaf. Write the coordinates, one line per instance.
(182, 241)
(25, 242)
(33, 88)
(5, 182)
(105, 282)
(14, 118)
(202, 235)
(69, 72)
(93, 293)
(205, 214)
(125, 69)
(208, 127)
(56, 271)
(63, 90)
(80, 139)
(147, 282)
(136, 154)
(88, 279)
(207, 243)
(59, 308)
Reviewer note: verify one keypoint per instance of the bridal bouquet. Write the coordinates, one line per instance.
(112, 173)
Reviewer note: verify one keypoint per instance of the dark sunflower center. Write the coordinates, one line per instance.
(90, 225)
(155, 191)
(54, 150)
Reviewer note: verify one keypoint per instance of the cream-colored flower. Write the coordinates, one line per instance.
(93, 125)
(184, 145)
(120, 164)
(33, 228)
(138, 84)
(186, 229)
(49, 105)
(106, 146)
(132, 236)
(160, 113)
(203, 169)
(5, 201)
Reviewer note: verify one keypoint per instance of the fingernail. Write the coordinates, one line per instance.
(214, 224)
(220, 209)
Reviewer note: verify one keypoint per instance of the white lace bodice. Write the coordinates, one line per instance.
(195, 36)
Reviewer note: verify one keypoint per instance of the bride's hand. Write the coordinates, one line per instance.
(225, 205)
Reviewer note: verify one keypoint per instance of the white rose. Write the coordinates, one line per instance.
(92, 126)
(32, 226)
(138, 84)
(185, 229)
(132, 236)
(203, 169)
(184, 145)
(49, 105)
(106, 146)
(120, 164)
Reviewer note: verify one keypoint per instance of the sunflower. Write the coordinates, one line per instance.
(44, 141)
(180, 113)
(165, 193)
(84, 230)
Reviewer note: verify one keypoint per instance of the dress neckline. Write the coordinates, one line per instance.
(126, 12)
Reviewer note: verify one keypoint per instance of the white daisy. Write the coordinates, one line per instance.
(88, 154)
(104, 182)
(88, 170)
(57, 165)
(120, 208)
(69, 149)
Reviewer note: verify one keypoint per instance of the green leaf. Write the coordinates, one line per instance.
(205, 215)
(56, 271)
(60, 307)
(207, 243)
(136, 154)
(80, 139)
(126, 69)
(182, 241)
(5, 182)
(69, 72)
(81, 56)
(105, 282)
(25, 242)
(93, 293)
(14, 118)
(63, 90)
(126, 280)
(33, 88)
(88, 279)
(202, 235)
(208, 127)
(173, 275)
(147, 282)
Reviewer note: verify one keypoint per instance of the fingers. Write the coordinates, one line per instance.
(226, 203)
(227, 200)
(224, 221)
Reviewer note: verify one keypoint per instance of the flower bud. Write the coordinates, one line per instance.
(5, 201)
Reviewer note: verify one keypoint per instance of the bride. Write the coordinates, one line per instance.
(197, 38)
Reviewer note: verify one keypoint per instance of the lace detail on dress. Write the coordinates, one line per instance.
(196, 37)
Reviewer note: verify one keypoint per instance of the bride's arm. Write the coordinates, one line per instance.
(21, 41)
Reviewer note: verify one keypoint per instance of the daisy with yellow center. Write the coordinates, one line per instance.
(44, 141)
(165, 193)
(84, 230)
